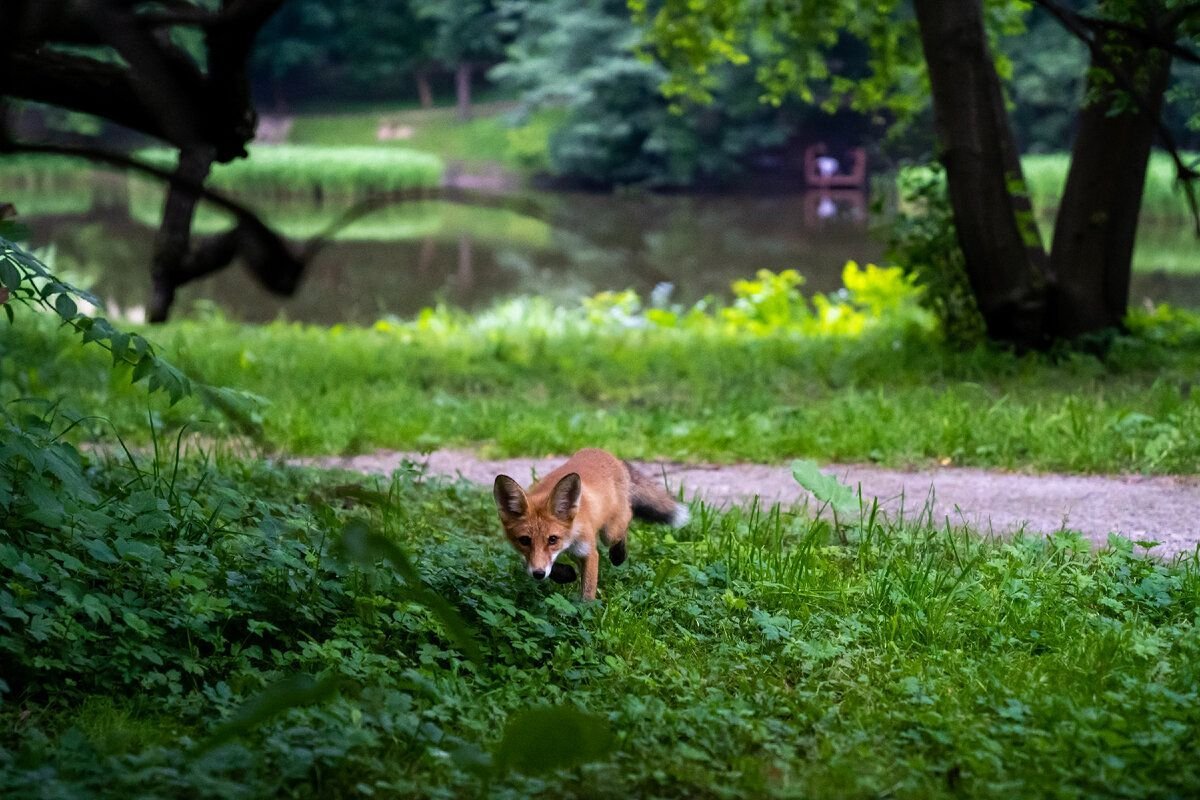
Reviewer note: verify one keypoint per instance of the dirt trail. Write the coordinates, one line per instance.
(1161, 509)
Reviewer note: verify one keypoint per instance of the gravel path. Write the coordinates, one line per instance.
(1160, 509)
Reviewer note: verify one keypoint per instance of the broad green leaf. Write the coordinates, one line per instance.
(65, 307)
(541, 740)
(826, 488)
(291, 692)
(101, 551)
(365, 546)
(10, 276)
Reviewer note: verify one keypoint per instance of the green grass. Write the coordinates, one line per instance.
(42, 186)
(1163, 199)
(1166, 246)
(529, 378)
(488, 138)
(214, 624)
(291, 171)
(1166, 237)
(754, 653)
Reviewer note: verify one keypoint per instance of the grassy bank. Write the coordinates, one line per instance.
(1163, 198)
(286, 171)
(750, 654)
(860, 376)
(488, 138)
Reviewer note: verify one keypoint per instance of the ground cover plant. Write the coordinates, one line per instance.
(208, 624)
(146, 603)
(857, 376)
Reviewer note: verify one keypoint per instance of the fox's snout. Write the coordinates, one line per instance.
(538, 565)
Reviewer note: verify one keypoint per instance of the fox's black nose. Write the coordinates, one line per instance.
(538, 573)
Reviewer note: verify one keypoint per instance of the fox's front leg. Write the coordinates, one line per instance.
(591, 574)
(563, 573)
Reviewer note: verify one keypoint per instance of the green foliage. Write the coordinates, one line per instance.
(827, 489)
(491, 137)
(25, 279)
(616, 127)
(923, 238)
(186, 628)
(345, 49)
(155, 578)
(462, 30)
(189, 625)
(543, 740)
(1048, 70)
(874, 299)
(651, 379)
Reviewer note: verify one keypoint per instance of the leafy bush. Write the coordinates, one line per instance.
(873, 300)
(171, 583)
(615, 127)
(153, 621)
(923, 238)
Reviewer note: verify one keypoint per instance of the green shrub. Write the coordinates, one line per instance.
(922, 237)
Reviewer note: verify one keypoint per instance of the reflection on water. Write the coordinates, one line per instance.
(585, 243)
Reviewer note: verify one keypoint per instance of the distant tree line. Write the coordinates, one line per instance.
(592, 61)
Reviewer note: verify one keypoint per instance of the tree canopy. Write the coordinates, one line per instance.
(946, 55)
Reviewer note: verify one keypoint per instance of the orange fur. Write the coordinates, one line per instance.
(592, 495)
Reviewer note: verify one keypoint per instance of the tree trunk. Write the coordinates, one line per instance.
(173, 242)
(1005, 262)
(462, 87)
(424, 90)
(1092, 253)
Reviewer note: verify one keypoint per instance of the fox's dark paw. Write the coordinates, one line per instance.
(616, 553)
(563, 573)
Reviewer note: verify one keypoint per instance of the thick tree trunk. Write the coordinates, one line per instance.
(1092, 253)
(173, 243)
(1006, 264)
(424, 90)
(462, 87)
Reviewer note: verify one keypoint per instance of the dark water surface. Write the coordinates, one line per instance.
(578, 244)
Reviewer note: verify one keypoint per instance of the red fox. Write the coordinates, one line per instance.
(594, 491)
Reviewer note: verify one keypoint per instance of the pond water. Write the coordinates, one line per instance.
(403, 259)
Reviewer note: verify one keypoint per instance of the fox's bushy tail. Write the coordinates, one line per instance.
(651, 502)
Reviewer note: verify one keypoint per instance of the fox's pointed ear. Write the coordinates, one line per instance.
(564, 500)
(510, 498)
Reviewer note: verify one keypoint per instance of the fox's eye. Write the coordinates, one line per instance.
(525, 541)
(553, 540)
